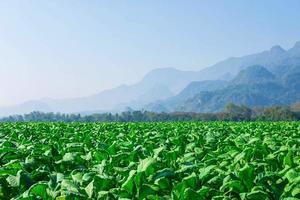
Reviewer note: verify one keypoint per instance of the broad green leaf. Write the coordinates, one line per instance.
(233, 185)
(258, 194)
(128, 185)
(147, 190)
(296, 191)
(288, 159)
(39, 190)
(89, 189)
(191, 181)
(246, 174)
(146, 166)
(191, 194)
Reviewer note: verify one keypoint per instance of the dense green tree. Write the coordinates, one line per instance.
(232, 112)
(296, 107)
(238, 113)
(278, 113)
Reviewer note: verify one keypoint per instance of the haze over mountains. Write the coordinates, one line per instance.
(261, 79)
(253, 86)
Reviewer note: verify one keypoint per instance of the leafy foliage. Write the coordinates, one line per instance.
(232, 112)
(216, 160)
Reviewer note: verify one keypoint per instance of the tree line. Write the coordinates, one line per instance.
(231, 112)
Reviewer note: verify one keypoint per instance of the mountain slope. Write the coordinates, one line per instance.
(156, 85)
(25, 107)
(250, 88)
(271, 60)
(277, 61)
(253, 74)
(190, 91)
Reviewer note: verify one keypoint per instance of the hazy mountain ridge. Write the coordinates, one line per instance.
(189, 92)
(157, 84)
(253, 86)
(25, 107)
(253, 74)
(272, 78)
(270, 59)
(160, 86)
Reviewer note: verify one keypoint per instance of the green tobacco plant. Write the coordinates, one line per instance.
(155, 161)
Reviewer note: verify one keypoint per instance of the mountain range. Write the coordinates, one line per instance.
(253, 86)
(262, 79)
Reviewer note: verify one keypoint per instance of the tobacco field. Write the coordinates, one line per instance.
(156, 161)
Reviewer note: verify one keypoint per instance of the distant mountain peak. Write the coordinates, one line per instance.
(295, 50)
(161, 71)
(160, 83)
(175, 79)
(297, 45)
(253, 74)
(277, 49)
(166, 69)
(255, 69)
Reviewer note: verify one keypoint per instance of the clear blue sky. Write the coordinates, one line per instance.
(70, 48)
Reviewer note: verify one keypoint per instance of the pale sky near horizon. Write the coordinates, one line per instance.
(64, 48)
